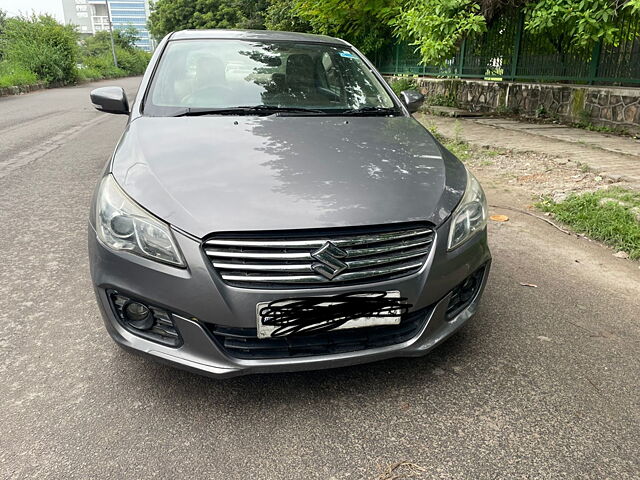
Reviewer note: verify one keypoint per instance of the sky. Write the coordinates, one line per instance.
(14, 7)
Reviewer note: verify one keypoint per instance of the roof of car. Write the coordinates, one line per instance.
(262, 35)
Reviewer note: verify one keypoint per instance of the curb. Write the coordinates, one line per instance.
(22, 89)
(6, 91)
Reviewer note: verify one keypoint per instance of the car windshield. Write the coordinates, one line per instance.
(222, 76)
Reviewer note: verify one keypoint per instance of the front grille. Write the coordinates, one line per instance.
(331, 258)
(244, 343)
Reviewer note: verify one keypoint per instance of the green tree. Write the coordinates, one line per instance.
(365, 23)
(126, 37)
(3, 20)
(434, 27)
(579, 23)
(284, 15)
(438, 26)
(171, 15)
(101, 42)
(97, 58)
(3, 23)
(253, 14)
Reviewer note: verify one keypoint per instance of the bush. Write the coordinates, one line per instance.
(100, 66)
(404, 83)
(87, 74)
(41, 45)
(15, 75)
(97, 57)
(38, 48)
(132, 61)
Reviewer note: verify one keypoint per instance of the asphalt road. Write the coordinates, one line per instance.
(544, 383)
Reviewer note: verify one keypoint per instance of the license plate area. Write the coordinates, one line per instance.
(313, 315)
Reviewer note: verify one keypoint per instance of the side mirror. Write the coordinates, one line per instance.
(412, 99)
(110, 100)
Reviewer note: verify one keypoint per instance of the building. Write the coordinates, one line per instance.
(91, 16)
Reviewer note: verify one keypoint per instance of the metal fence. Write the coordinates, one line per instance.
(508, 52)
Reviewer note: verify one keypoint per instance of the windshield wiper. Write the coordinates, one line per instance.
(365, 111)
(245, 110)
(199, 111)
(270, 109)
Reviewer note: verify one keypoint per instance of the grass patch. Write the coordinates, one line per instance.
(493, 153)
(15, 75)
(456, 145)
(460, 149)
(611, 216)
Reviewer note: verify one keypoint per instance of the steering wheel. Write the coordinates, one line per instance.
(208, 91)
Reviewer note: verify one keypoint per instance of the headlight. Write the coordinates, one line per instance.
(471, 215)
(123, 225)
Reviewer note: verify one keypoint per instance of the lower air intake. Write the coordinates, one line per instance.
(244, 342)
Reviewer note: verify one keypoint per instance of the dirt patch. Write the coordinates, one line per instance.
(540, 175)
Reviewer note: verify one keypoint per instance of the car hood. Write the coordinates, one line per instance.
(229, 173)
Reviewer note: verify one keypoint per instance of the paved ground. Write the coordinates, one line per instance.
(609, 155)
(542, 384)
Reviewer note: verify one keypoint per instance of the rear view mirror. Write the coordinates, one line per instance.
(110, 100)
(412, 99)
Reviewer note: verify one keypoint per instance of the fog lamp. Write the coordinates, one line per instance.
(138, 315)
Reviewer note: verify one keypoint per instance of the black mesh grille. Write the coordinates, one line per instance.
(244, 343)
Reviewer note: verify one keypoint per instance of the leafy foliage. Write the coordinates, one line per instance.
(253, 13)
(580, 22)
(284, 15)
(404, 83)
(3, 24)
(364, 23)
(438, 26)
(38, 48)
(101, 41)
(97, 59)
(14, 75)
(41, 45)
(170, 15)
(435, 27)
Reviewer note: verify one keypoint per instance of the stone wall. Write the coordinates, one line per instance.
(606, 106)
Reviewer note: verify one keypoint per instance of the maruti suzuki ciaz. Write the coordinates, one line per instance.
(273, 206)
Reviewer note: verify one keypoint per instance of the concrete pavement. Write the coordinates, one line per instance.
(35, 124)
(610, 155)
(542, 384)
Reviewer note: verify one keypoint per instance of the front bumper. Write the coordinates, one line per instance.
(197, 296)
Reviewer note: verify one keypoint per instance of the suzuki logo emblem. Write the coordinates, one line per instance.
(329, 263)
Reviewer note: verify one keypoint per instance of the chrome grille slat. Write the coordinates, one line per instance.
(265, 267)
(307, 268)
(259, 255)
(381, 261)
(317, 278)
(293, 259)
(363, 252)
(339, 241)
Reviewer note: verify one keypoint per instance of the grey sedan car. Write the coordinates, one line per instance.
(273, 206)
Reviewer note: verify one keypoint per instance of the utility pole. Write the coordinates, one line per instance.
(113, 46)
